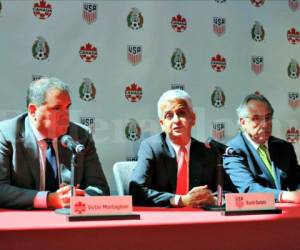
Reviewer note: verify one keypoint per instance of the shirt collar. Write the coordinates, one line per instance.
(253, 143)
(177, 147)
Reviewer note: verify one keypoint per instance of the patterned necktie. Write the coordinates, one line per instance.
(182, 174)
(262, 151)
(51, 168)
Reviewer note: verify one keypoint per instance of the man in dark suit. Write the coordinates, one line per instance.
(157, 177)
(266, 163)
(25, 142)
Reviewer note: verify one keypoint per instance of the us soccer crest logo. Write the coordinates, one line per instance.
(293, 99)
(134, 54)
(257, 3)
(219, 25)
(293, 36)
(89, 122)
(293, 69)
(218, 98)
(87, 90)
(294, 5)
(135, 20)
(40, 49)
(239, 202)
(178, 60)
(218, 131)
(258, 32)
(42, 9)
(88, 53)
(292, 135)
(257, 64)
(133, 93)
(133, 130)
(218, 63)
(177, 86)
(36, 77)
(89, 12)
(178, 23)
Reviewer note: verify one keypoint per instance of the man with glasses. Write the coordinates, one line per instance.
(266, 163)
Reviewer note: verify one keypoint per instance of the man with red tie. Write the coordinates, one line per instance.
(174, 169)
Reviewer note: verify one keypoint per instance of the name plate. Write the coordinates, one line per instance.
(100, 205)
(249, 201)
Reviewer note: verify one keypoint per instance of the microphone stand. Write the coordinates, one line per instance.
(74, 163)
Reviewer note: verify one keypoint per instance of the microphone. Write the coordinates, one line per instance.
(68, 142)
(210, 142)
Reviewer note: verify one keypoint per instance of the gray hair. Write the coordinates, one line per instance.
(243, 112)
(171, 95)
(36, 92)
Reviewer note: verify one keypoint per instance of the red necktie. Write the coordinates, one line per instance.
(182, 174)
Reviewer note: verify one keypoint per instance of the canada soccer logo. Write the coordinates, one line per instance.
(258, 32)
(218, 63)
(292, 135)
(294, 5)
(42, 9)
(293, 99)
(178, 60)
(133, 93)
(79, 207)
(87, 90)
(178, 23)
(40, 49)
(135, 19)
(89, 12)
(219, 25)
(257, 64)
(293, 36)
(133, 130)
(257, 3)
(293, 69)
(218, 98)
(88, 53)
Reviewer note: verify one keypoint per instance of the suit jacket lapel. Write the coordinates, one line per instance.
(274, 155)
(31, 152)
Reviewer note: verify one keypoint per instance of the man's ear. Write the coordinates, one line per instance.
(162, 125)
(193, 119)
(31, 109)
(242, 121)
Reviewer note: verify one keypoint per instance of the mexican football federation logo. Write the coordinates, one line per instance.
(219, 25)
(257, 3)
(178, 23)
(87, 90)
(218, 130)
(292, 135)
(293, 99)
(133, 130)
(133, 92)
(89, 122)
(258, 32)
(42, 9)
(89, 12)
(293, 36)
(134, 54)
(88, 53)
(135, 19)
(218, 98)
(257, 64)
(294, 5)
(178, 60)
(40, 49)
(293, 69)
(218, 63)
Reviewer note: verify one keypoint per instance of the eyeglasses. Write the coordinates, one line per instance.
(260, 118)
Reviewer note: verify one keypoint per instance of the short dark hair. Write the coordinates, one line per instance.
(36, 92)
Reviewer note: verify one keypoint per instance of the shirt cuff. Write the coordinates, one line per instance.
(174, 201)
(40, 200)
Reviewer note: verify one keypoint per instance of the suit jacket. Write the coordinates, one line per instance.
(249, 174)
(154, 178)
(20, 167)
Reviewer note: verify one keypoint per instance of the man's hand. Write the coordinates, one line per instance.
(197, 197)
(61, 198)
(290, 196)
